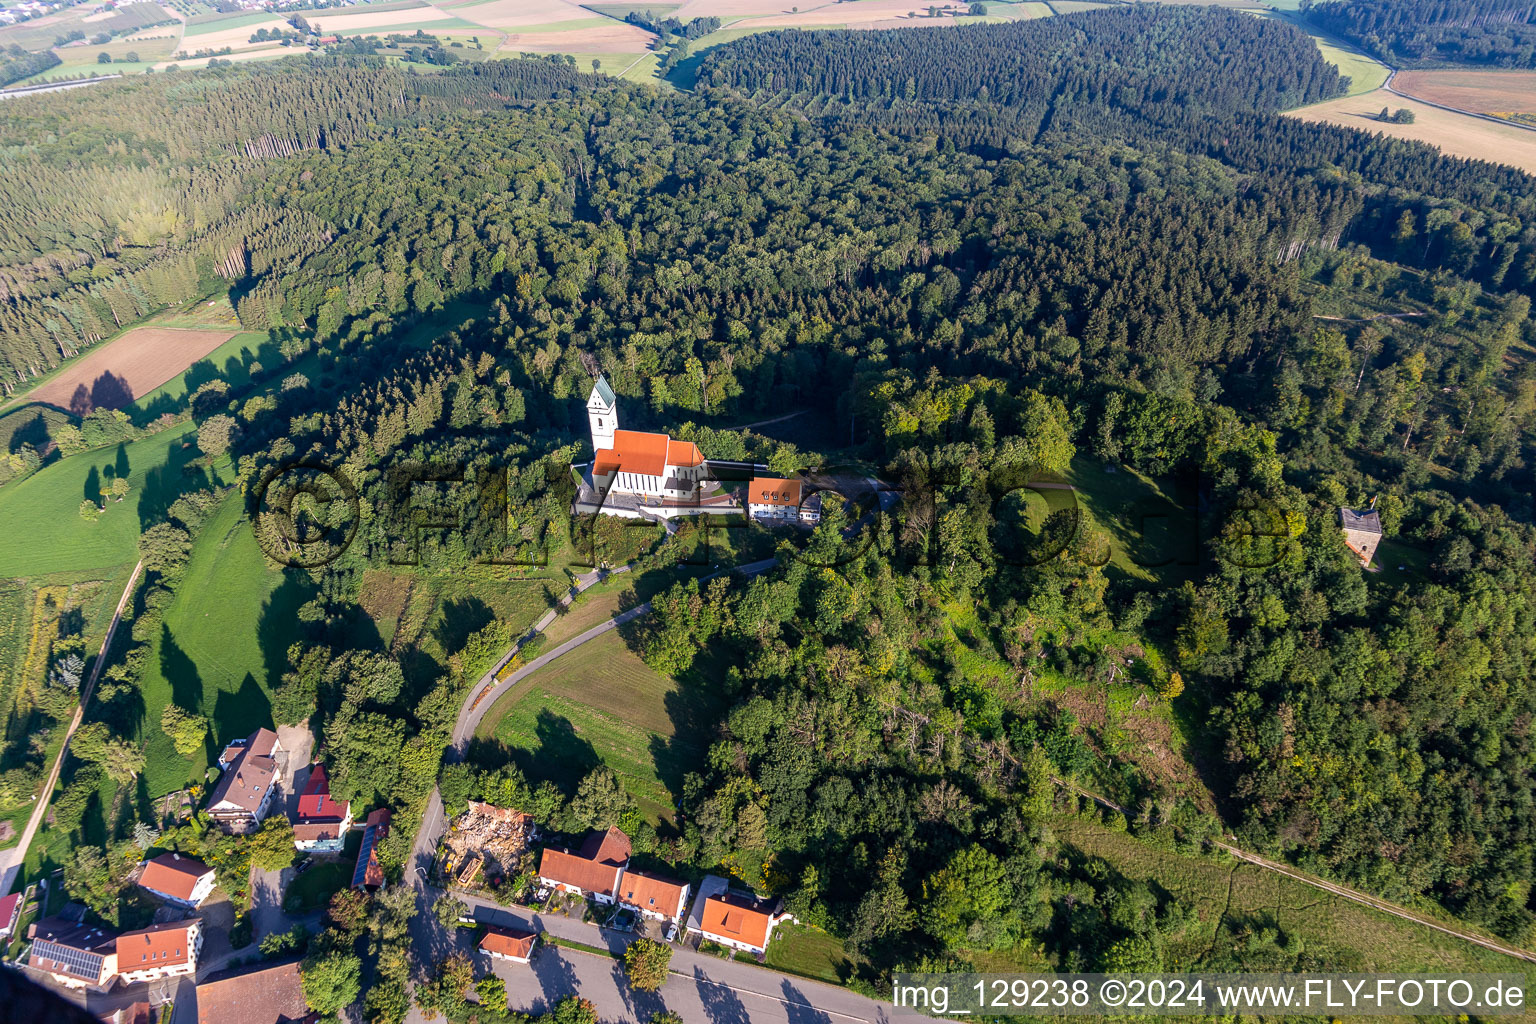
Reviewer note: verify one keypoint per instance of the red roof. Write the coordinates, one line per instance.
(162, 945)
(10, 910)
(647, 454)
(173, 875)
(658, 895)
(736, 919)
(315, 803)
(595, 868)
(768, 490)
(508, 941)
(266, 995)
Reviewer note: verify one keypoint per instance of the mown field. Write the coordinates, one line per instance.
(601, 704)
(45, 507)
(223, 645)
(1349, 936)
(1454, 134)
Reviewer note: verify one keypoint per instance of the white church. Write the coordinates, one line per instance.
(632, 469)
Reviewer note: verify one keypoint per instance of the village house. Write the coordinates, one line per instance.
(160, 951)
(243, 794)
(1362, 532)
(777, 500)
(269, 994)
(512, 944)
(733, 919)
(659, 898)
(10, 913)
(369, 874)
(321, 823)
(177, 879)
(134, 1013)
(76, 955)
(593, 870)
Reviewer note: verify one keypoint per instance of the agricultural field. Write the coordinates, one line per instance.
(113, 374)
(220, 659)
(234, 31)
(40, 33)
(1347, 935)
(600, 704)
(231, 362)
(1454, 134)
(1501, 93)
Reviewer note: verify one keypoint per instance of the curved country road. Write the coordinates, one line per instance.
(11, 860)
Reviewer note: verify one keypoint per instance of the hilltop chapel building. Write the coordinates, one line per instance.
(635, 474)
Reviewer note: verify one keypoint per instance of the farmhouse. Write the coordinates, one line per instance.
(320, 824)
(660, 898)
(178, 879)
(252, 771)
(593, 871)
(269, 994)
(76, 955)
(1362, 532)
(161, 951)
(10, 913)
(513, 944)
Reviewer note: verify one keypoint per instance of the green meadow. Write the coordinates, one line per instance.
(45, 507)
(222, 647)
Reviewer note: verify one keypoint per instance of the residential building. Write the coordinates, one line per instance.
(76, 955)
(268, 994)
(134, 1013)
(739, 922)
(593, 870)
(513, 944)
(660, 898)
(10, 913)
(177, 879)
(778, 500)
(1362, 532)
(321, 822)
(160, 951)
(369, 874)
(252, 771)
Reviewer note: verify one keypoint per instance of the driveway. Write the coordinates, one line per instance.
(267, 887)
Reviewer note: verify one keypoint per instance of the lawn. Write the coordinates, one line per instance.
(1144, 521)
(1348, 936)
(798, 949)
(45, 507)
(222, 647)
(601, 704)
(315, 887)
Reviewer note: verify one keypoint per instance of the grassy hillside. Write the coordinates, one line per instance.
(222, 647)
(45, 507)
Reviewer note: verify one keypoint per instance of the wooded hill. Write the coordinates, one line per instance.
(1497, 33)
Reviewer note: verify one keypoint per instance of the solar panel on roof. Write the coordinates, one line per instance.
(75, 961)
(361, 871)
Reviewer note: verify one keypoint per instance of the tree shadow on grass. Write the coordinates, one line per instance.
(695, 708)
(238, 714)
(561, 756)
(460, 620)
(278, 626)
(181, 672)
(33, 432)
(165, 483)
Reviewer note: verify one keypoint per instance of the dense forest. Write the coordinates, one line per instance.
(1087, 263)
(16, 64)
(1501, 33)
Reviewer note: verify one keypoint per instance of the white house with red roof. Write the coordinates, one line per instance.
(321, 822)
(177, 879)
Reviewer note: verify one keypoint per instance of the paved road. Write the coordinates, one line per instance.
(702, 987)
(11, 860)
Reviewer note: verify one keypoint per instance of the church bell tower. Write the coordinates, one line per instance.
(602, 414)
